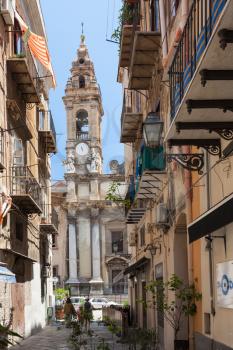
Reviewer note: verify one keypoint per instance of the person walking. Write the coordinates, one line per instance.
(69, 311)
(87, 311)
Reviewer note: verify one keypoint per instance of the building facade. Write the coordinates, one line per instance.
(27, 139)
(174, 66)
(94, 228)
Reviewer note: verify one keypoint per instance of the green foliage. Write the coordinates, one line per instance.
(145, 338)
(174, 299)
(125, 304)
(125, 17)
(61, 293)
(114, 195)
(103, 346)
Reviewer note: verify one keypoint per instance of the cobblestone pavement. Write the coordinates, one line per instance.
(56, 338)
(50, 338)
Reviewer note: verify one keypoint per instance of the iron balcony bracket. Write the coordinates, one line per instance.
(189, 161)
(225, 105)
(212, 146)
(207, 74)
(226, 37)
(223, 129)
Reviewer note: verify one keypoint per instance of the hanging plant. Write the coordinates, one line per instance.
(126, 15)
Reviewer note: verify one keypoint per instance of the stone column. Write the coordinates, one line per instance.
(96, 280)
(73, 271)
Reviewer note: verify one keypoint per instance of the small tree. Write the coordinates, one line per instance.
(183, 302)
(61, 293)
(114, 195)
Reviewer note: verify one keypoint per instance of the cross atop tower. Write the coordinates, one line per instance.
(82, 35)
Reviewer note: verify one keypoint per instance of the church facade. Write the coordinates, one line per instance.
(95, 233)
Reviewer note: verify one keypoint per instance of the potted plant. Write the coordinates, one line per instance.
(177, 301)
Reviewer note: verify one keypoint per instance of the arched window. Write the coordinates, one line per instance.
(82, 124)
(81, 82)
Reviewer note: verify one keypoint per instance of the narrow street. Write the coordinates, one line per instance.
(56, 337)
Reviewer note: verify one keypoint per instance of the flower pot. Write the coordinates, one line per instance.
(181, 345)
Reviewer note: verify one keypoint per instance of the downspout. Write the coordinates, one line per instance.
(163, 28)
(189, 212)
(211, 247)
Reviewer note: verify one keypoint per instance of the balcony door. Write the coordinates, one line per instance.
(18, 152)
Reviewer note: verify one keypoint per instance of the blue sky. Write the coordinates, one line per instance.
(63, 26)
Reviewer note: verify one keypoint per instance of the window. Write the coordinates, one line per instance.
(55, 271)
(41, 120)
(81, 82)
(174, 6)
(155, 22)
(82, 122)
(19, 230)
(142, 235)
(18, 158)
(54, 241)
(117, 242)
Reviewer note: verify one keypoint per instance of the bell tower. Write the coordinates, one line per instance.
(84, 110)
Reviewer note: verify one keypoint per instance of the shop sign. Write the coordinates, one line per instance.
(224, 277)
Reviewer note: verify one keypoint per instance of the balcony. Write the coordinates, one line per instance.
(47, 131)
(83, 136)
(201, 77)
(135, 210)
(150, 172)
(145, 59)
(130, 121)
(130, 21)
(19, 120)
(49, 223)
(24, 73)
(25, 190)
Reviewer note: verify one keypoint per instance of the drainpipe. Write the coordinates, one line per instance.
(188, 184)
(211, 247)
(163, 28)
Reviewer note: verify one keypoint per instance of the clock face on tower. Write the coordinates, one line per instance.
(82, 149)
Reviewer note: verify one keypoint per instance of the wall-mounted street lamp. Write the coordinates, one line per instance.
(152, 130)
(153, 248)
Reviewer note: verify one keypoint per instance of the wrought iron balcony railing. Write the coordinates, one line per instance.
(25, 190)
(83, 135)
(197, 32)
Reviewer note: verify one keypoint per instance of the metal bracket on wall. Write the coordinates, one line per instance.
(212, 146)
(189, 161)
(223, 129)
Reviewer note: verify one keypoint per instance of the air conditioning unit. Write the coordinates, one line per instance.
(162, 215)
(8, 11)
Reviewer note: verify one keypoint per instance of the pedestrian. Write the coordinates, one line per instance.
(69, 311)
(87, 313)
